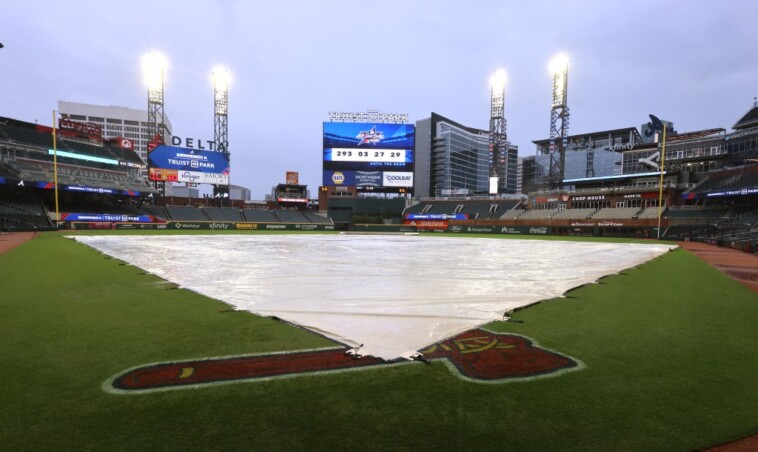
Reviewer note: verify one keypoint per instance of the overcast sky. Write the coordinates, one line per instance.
(690, 62)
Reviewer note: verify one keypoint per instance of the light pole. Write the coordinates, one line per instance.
(559, 120)
(221, 80)
(154, 65)
(498, 136)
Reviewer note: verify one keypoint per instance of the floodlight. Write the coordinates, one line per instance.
(221, 79)
(154, 66)
(559, 64)
(497, 81)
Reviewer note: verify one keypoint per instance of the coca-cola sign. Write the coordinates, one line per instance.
(87, 128)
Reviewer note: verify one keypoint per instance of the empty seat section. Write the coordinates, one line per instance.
(186, 213)
(223, 213)
(259, 216)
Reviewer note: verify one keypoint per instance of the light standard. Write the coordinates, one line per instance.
(154, 65)
(559, 120)
(498, 135)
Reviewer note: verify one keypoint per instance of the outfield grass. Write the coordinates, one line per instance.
(669, 348)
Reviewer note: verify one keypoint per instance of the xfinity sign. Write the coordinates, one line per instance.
(397, 179)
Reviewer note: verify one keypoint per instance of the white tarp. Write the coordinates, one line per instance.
(393, 294)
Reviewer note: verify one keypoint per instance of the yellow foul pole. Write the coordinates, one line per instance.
(55, 171)
(660, 193)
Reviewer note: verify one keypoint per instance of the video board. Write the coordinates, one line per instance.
(177, 164)
(368, 156)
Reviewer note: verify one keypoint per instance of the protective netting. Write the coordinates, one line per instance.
(393, 294)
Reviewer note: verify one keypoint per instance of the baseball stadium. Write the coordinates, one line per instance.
(609, 304)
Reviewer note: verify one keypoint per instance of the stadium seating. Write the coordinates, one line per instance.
(478, 210)
(177, 213)
(538, 214)
(415, 209)
(318, 219)
(512, 214)
(27, 136)
(617, 213)
(440, 207)
(19, 214)
(223, 213)
(259, 216)
(696, 212)
(290, 216)
(573, 214)
(158, 212)
(651, 213)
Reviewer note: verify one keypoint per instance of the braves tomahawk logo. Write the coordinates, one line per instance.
(477, 355)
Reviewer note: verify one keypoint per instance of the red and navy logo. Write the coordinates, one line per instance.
(477, 355)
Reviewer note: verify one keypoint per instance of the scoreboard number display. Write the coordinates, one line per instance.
(368, 155)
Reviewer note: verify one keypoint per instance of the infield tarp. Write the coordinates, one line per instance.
(393, 294)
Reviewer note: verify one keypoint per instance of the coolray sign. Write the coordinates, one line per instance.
(393, 179)
(276, 226)
(214, 165)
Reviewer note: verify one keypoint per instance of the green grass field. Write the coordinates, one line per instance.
(669, 348)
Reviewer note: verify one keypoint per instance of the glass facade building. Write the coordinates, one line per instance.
(454, 160)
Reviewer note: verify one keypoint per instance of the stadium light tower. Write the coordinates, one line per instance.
(221, 122)
(154, 65)
(559, 120)
(221, 108)
(498, 136)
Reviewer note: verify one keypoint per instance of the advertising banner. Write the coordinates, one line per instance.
(187, 160)
(369, 156)
(521, 230)
(339, 178)
(366, 135)
(436, 216)
(87, 189)
(396, 179)
(98, 217)
(202, 178)
(368, 178)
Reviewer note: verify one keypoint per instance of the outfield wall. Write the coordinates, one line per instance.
(205, 225)
(616, 230)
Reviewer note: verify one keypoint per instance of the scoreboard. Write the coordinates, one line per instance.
(369, 156)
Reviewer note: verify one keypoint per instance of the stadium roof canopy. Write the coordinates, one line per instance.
(596, 135)
(750, 119)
